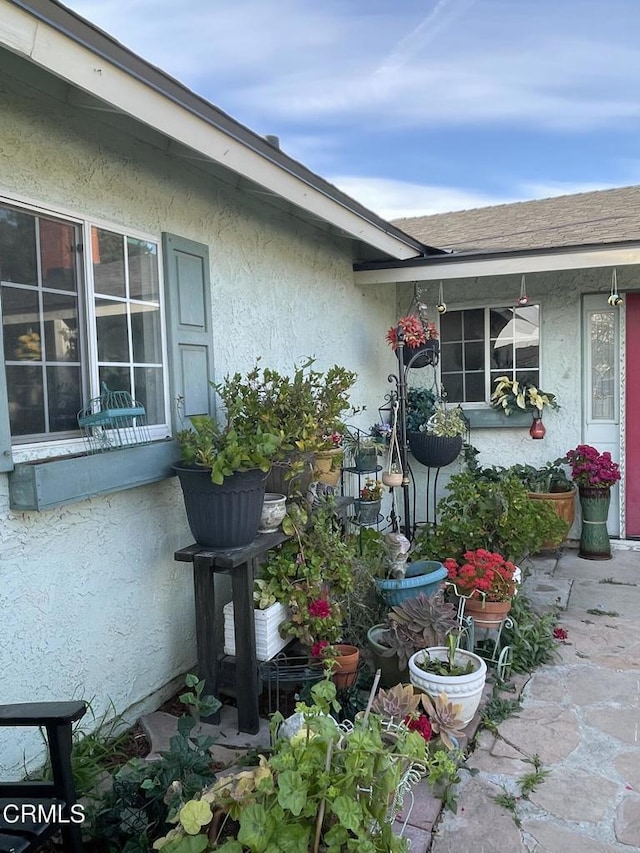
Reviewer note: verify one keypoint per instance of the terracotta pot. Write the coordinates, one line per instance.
(564, 505)
(345, 669)
(392, 478)
(325, 459)
(486, 614)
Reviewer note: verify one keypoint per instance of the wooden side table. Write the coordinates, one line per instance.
(242, 564)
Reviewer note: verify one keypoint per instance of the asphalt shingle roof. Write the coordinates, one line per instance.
(603, 216)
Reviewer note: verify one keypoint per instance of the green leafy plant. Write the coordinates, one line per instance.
(420, 408)
(513, 395)
(447, 423)
(147, 794)
(529, 635)
(495, 516)
(319, 789)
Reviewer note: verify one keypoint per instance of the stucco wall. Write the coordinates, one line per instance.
(93, 604)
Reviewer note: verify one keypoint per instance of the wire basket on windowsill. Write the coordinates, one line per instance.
(112, 421)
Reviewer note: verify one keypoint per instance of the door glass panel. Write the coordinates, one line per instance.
(603, 368)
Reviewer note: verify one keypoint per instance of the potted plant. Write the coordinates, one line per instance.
(550, 483)
(522, 395)
(420, 338)
(487, 583)
(223, 473)
(447, 669)
(304, 409)
(594, 473)
(367, 506)
(414, 624)
(438, 442)
(269, 614)
(363, 450)
(494, 514)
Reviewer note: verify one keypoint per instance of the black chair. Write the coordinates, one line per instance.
(24, 835)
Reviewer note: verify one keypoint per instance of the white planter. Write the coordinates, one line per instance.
(465, 690)
(268, 639)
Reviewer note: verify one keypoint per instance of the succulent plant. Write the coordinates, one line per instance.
(396, 703)
(444, 717)
(427, 619)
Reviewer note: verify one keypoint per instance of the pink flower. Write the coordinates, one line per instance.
(320, 608)
(560, 633)
(318, 648)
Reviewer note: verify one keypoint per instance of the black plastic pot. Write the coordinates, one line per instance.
(225, 516)
(423, 355)
(434, 451)
(280, 480)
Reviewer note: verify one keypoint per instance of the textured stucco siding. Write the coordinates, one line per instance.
(93, 604)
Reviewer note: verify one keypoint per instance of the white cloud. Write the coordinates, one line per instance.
(395, 199)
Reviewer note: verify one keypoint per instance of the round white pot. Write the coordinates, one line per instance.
(274, 510)
(465, 690)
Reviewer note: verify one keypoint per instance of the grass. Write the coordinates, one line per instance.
(617, 583)
(598, 611)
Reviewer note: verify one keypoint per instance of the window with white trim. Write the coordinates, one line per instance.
(71, 323)
(477, 345)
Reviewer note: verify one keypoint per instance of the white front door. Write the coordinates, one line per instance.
(601, 384)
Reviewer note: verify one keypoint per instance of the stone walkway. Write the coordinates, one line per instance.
(580, 715)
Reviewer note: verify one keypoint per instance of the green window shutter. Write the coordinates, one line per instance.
(6, 459)
(188, 292)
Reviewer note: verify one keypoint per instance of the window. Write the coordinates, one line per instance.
(71, 323)
(480, 344)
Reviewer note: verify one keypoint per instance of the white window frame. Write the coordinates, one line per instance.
(28, 451)
(488, 383)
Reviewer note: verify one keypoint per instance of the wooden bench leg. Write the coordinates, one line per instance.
(205, 601)
(60, 744)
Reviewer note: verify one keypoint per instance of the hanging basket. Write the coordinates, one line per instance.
(434, 451)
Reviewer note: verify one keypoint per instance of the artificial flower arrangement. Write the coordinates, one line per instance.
(416, 332)
(371, 491)
(520, 395)
(591, 469)
(381, 432)
(482, 574)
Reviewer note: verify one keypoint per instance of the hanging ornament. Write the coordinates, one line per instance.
(537, 429)
(524, 299)
(441, 307)
(614, 297)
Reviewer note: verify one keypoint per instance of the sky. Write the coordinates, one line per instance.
(413, 107)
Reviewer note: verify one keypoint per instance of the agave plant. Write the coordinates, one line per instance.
(444, 717)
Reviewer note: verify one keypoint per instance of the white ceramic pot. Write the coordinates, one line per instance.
(274, 510)
(465, 690)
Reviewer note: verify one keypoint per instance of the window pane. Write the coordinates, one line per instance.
(26, 408)
(150, 393)
(145, 329)
(107, 254)
(111, 327)
(115, 378)
(65, 398)
(57, 256)
(602, 341)
(499, 319)
(451, 357)
(17, 247)
(527, 357)
(474, 383)
(474, 356)
(60, 327)
(20, 320)
(453, 386)
(501, 356)
(451, 326)
(143, 269)
(473, 324)
(530, 375)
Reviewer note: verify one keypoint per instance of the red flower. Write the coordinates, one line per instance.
(560, 633)
(414, 330)
(482, 574)
(318, 648)
(419, 724)
(320, 608)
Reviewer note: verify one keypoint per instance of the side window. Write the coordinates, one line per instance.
(480, 344)
(64, 335)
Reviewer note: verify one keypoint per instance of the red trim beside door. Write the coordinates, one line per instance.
(632, 421)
